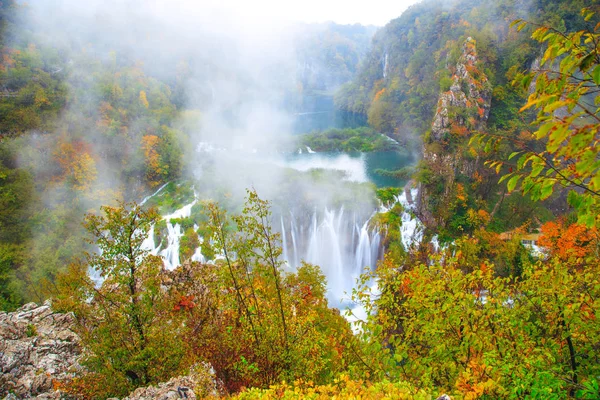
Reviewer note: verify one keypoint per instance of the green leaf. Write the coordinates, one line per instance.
(514, 153)
(574, 199)
(547, 189)
(587, 62)
(512, 183)
(504, 177)
(498, 167)
(543, 131)
(596, 75)
(515, 22)
(537, 168)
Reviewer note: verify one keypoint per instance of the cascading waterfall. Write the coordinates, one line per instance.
(385, 65)
(342, 245)
(170, 251)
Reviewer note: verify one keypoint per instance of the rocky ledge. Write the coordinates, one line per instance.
(37, 349)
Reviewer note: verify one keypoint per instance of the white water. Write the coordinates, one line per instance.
(170, 251)
(385, 65)
(336, 242)
(339, 242)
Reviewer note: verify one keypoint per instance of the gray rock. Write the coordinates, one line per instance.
(37, 348)
(200, 383)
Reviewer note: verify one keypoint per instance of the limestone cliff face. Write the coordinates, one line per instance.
(461, 111)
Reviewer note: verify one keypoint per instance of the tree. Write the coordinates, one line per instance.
(483, 336)
(272, 325)
(125, 322)
(566, 140)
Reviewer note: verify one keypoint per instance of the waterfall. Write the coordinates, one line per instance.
(153, 194)
(294, 234)
(412, 229)
(170, 252)
(385, 65)
(284, 241)
(341, 245)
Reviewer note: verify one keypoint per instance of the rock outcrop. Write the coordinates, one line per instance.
(461, 111)
(37, 349)
(467, 103)
(200, 383)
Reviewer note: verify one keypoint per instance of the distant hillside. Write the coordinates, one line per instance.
(398, 84)
(329, 54)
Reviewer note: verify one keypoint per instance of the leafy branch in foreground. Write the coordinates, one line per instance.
(564, 91)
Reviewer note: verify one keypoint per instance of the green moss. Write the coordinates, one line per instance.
(184, 222)
(31, 330)
(387, 195)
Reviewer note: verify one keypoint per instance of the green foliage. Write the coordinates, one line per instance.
(402, 173)
(479, 335)
(341, 388)
(388, 195)
(348, 140)
(273, 326)
(125, 324)
(172, 197)
(390, 223)
(188, 244)
(564, 91)
(33, 95)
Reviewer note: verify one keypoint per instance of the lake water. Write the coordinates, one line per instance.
(318, 113)
(359, 167)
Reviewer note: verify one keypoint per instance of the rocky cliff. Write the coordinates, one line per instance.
(462, 110)
(37, 350)
(465, 107)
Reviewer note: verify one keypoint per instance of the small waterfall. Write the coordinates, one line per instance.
(294, 234)
(412, 229)
(170, 251)
(284, 241)
(363, 250)
(385, 65)
(153, 194)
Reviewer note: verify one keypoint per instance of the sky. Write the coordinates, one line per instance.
(366, 12)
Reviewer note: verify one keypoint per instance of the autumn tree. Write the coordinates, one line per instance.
(573, 243)
(479, 335)
(273, 325)
(124, 314)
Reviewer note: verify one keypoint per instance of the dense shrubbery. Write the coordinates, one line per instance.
(255, 324)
